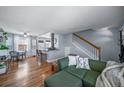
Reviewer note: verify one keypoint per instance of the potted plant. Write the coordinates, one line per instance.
(3, 47)
(3, 41)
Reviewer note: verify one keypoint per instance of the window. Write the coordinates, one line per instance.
(22, 43)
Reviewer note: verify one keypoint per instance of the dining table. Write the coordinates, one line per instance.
(21, 54)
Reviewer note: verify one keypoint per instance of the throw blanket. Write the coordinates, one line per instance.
(112, 75)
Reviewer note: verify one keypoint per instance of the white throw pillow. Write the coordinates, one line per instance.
(72, 60)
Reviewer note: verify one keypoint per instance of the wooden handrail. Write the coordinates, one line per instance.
(91, 44)
(86, 41)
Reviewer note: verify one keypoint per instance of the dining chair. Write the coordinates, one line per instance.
(22, 54)
(37, 52)
(13, 55)
(40, 53)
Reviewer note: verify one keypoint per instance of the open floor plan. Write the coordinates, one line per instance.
(61, 46)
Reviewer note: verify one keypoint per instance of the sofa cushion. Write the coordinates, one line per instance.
(97, 65)
(63, 63)
(63, 79)
(78, 72)
(90, 78)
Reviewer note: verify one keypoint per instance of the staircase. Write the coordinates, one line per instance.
(86, 47)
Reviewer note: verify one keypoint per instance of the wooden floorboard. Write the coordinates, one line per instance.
(26, 73)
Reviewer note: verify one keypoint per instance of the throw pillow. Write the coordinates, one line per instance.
(72, 60)
(86, 63)
(83, 63)
(80, 63)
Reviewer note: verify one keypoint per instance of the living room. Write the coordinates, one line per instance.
(40, 45)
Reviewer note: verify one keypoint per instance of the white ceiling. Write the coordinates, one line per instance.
(38, 20)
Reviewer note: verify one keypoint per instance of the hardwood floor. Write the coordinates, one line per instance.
(27, 73)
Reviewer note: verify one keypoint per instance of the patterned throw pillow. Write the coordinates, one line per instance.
(80, 63)
(86, 63)
(83, 63)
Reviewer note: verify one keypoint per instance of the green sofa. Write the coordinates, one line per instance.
(70, 76)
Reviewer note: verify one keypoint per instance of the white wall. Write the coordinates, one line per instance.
(73, 49)
(65, 41)
(59, 53)
(107, 39)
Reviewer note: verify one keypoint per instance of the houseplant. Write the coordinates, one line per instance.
(3, 51)
(4, 37)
